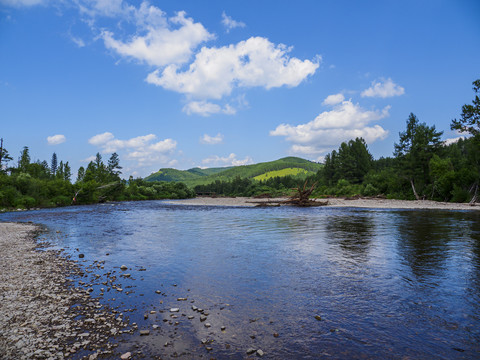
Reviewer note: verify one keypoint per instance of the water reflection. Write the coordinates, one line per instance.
(352, 234)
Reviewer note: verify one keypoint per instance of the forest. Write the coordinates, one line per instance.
(36, 184)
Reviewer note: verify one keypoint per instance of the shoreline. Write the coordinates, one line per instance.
(42, 314)
(364, 203)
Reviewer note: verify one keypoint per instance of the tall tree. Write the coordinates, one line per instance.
(54, 164)
(24, 160)
(470, 123)
(80, 174)
(417, 145)
(470, 120)
(4, 156)
(114, 165)
(67, 172)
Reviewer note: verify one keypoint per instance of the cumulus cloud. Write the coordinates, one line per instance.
(211, 140)
(144, 150)
(383, 89)
(56, 139)
(230, 24)
(215, 72)
(333, 99)
(230, 160)
(205, 108)
(110, 8)
(161, 41)
(344, 122)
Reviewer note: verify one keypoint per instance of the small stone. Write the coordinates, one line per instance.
(260, 352)
(251, 351)
(126, 275)
(153, 312)
(126, 356)
(174, 310)
(208, 348)
(194, 308)
(145, 316)
(203, 318)
(207, 325)
(144, 332)
(182, 299)
(252, 336)
(223, 328)
(190, 317)
(155, 326)
(81, 256)
(124, 267)
(276, 335)
(158, 291)
(318, 317)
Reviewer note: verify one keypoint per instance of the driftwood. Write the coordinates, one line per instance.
(300, 197)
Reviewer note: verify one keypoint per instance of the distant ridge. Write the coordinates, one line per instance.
(291, 165)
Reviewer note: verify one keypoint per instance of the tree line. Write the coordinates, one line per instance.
(31, 184)
(422, 166)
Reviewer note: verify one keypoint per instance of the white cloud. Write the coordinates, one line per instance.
(230, 24)
(89, 159)
(215, 72)
(333, 99)
(205, 108)
(108, 8)
(344, 122)
(230, 160)
(211, 140)
(22, 3)
(384, 89)
(160, 41)
(141, 150)
(56, 139)
(453, 140)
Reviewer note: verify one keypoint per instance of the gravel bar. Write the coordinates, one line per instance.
(42, 314)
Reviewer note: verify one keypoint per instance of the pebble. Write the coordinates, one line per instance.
(124, 267)
(174, 310)
(126, 356)
(318, 317)
(144, 332)
(207, 325)
(260, 352)
(203, 318)
(250, 351)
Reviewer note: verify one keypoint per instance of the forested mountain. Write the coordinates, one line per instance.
(293, 166)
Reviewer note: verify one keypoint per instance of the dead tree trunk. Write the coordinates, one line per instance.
(475, 195)
(414, 191)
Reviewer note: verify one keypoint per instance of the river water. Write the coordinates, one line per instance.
(385, 284)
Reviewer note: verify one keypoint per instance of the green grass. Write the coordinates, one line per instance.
(281, 173)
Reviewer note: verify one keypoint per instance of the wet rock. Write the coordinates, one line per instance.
(126, 356)
(124, 267)
(144, 332)
(260, 352)
(174, 310)
(81, 256)
(250, 351)
(203, 318)
(207, 325)
(276, 335)
(318, 317)
(181, 299)
(223, 328)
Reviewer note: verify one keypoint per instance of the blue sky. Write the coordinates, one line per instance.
(217, 83)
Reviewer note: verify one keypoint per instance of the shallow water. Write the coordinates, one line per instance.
(386, 283)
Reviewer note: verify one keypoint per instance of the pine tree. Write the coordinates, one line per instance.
(24, 160)
(4, 156)
(54, 165)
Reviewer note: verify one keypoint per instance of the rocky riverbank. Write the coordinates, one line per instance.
(42, 314)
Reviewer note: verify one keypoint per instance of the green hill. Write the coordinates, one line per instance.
(286, 166)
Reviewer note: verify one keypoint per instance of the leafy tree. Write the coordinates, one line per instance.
(54, 164)
(417, 145)
(470, 120)
(4, 156)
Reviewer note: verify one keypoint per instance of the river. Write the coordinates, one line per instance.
(314, 283)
